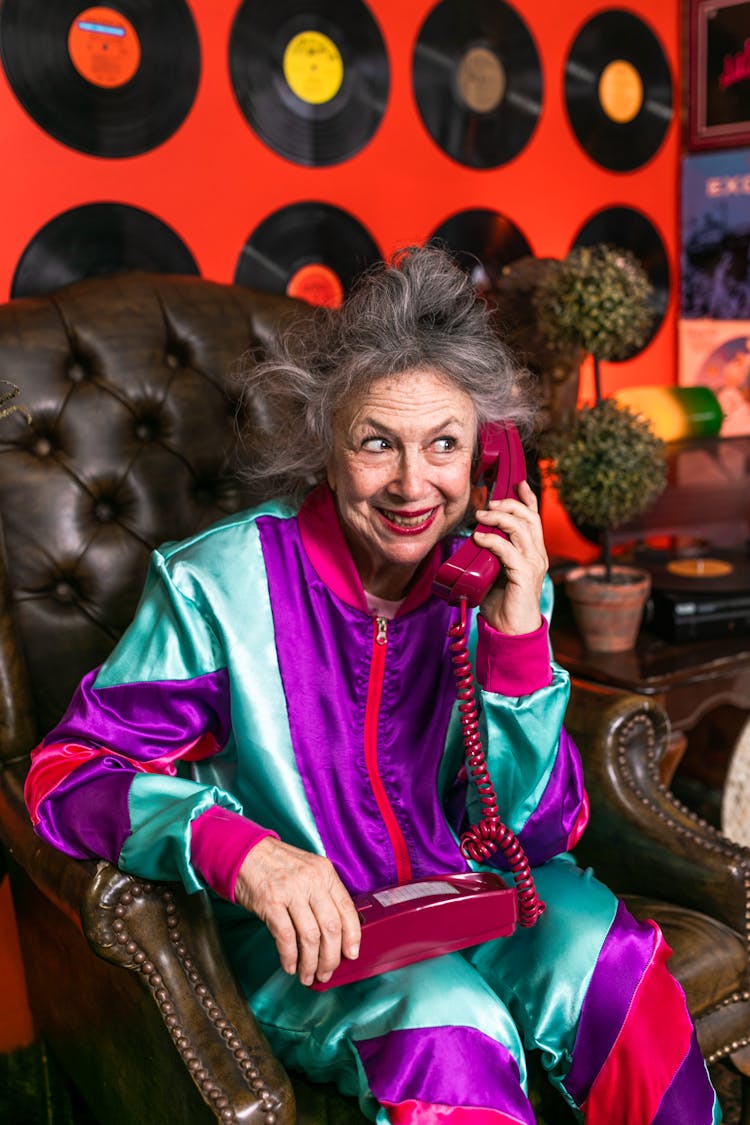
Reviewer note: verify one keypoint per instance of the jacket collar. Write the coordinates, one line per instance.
(326, 548)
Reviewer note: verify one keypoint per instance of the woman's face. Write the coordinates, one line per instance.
(401, 473)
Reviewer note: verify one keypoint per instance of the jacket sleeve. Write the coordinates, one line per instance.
(534, 765)
(112, 780)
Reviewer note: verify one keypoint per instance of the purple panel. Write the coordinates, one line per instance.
(691, 1096)
(144, 720)
(452, 1066)
(625, 955)
(324, 648)
(547, 831)
(87, 815)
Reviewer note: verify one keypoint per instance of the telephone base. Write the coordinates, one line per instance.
(426, 918)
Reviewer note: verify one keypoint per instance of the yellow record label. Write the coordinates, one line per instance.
(620, 91)
(481, 80)
(313, 67)
(104, 47)
(699, 568)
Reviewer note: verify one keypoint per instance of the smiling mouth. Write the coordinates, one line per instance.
(409, 521)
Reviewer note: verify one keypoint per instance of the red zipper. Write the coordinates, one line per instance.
(374, 692)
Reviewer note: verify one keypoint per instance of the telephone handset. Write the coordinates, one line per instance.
(469, 573)
(422, 919)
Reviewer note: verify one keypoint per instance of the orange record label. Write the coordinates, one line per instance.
(699, 568)
(318, 285)
(104, 47)
(481, 80)
(313, 67)
(620, 91)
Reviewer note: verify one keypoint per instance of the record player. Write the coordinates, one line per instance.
(698, 597)
(695, 542)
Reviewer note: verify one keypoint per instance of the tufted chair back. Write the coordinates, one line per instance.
(133, 441)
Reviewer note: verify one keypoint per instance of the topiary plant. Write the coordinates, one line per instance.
(597, 299)
(608, 466)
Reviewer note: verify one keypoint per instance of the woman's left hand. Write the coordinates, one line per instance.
(512, 605)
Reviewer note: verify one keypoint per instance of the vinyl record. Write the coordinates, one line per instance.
(310, 76)
(96, 239)
(308, 250)
(631, 230)
(618, 90)
(483, 242)
(107, 81)
(711, 571)
(477, 81)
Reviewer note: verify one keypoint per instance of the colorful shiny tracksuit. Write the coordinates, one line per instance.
(253, 677)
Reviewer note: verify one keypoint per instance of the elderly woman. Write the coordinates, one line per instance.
(279, 725)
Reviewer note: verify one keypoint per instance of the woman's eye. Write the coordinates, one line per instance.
(375, 445)
(445, 444)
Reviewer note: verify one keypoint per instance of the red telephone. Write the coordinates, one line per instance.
(422, 919)
(445, 913)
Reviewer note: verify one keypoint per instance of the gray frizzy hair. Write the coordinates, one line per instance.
(418, 312)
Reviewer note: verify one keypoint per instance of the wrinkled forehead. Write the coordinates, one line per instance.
(414, 398)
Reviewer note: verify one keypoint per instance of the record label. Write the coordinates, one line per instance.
(104, 47)
(481, 80)
(621, 91)
(318, 285)
(700, 568)
(477, 81)
(313, 67)
(618, 90)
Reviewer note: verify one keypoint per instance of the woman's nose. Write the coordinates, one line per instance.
(411, 475)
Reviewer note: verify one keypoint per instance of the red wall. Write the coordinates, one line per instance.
(214, 180)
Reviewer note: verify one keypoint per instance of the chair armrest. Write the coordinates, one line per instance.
(171, 940)
(640, 839)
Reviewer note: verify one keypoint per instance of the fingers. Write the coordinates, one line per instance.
(512, 604)
(518, 518)
(510, 514)
(305, 905)
(327, 928)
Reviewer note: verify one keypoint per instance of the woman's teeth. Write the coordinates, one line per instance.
(402, 520)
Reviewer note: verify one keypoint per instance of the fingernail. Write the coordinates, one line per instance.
(354, 954)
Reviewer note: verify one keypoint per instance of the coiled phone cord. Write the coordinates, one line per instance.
(482, 839)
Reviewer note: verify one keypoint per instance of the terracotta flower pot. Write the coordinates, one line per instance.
(608, 614)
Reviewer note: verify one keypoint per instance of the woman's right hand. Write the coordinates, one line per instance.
(305, 905)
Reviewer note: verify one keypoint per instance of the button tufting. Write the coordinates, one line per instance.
(146, 429)
(76, 371)
(42, 447)
(64, 592)
(172, 360)
(104, 510)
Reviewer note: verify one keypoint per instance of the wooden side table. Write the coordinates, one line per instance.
(689, 680)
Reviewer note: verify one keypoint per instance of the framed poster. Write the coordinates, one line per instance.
(719, 74)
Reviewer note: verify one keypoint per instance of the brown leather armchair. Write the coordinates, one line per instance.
(668, 864)
(133, 441)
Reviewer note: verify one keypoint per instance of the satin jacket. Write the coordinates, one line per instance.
(253, 677)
